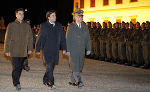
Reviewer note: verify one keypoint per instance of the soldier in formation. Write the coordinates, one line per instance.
(124, 43)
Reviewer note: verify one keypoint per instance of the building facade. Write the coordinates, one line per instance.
(115, 10)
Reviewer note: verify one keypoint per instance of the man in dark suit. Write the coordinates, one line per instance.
(50, 39)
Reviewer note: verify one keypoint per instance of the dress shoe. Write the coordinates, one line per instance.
(48, 84)
(146, 66)
(80, 84)
(27, 68)
(53, 87)
(72, 84)
(18, 87)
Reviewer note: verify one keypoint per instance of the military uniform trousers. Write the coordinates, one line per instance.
(146, 52)
(76, 65)
(122, 50)
(96, 47)
(114, 49)
(92, 46)
(109, 49)
(129, 52)
(103, 48)
(137, 53)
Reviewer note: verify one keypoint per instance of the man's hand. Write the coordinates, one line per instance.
(7, 54)
(68, 53)
(88, 52)
(29, 52)
(64, 51)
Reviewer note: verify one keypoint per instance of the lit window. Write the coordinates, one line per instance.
(118, 1)
(118, 20)
(81, 3)
(105, 2)
(92, 3)
(133, 0)
(92, 19)
(133, 20)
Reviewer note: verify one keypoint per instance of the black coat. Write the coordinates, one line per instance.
(50, 40)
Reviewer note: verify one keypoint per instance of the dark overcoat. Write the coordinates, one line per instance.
(50, 40)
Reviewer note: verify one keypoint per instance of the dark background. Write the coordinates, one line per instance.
(64, 9)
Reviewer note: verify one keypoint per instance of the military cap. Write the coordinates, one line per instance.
(78, 12)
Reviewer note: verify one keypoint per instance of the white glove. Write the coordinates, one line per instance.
(88, 52)
(68, 53)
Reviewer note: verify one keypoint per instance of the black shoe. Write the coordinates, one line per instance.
(146, 66)
(18, 87)
(80, 84)
(27, 68)
(48, 84)
(72, 84)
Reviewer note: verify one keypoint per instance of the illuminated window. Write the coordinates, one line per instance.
(92, 19)
(133, 20)
(92, 3)
(106, 21)
(133, 0)
(118, 20)
(81, 3)
(105, 2)
(118, 1)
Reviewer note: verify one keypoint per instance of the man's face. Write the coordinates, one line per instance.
(127, 25)
(20, 15)
(147, 26)
(79, 18)
(123, 25)
(137, 25)
(109, 25)
(52, 17)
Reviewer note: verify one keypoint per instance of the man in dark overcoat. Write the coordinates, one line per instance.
(50, 39)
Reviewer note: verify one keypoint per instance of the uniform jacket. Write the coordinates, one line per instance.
(78, 40)
(18, 39)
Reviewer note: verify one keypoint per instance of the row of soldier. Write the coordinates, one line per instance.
(124, 43)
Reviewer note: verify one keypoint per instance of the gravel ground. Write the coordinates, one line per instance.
(98, 76)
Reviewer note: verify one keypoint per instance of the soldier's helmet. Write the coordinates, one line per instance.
(78, 12)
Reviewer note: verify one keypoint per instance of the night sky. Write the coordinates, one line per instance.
(36, 14)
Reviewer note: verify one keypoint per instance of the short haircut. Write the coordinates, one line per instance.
(19, 9)
(48, 13)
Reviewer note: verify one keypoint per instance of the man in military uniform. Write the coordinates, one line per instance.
(146, 45)
(102, 38)
(115, 43)
(95, 41)
(108, 42)
(92, 32)
(78, 41)
(129, 45)
(121, 44)
(137, 50)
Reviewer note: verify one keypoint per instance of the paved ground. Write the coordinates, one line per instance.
(98, 76)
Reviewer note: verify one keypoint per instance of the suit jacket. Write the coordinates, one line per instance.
(50, 40)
